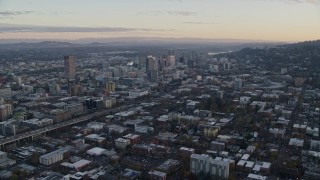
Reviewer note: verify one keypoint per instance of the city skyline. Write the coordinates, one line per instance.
(271, 20)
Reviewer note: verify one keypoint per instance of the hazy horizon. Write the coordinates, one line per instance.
(163, 40)
(258, 20)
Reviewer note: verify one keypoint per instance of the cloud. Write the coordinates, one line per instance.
(290, 1)
(195, 22)
(33, 28)
(10, 14)
(298, 1)
(170, 13)
(181, 13)
(183, 0)
(305, 1)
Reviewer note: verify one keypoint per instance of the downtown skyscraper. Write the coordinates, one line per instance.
(70, 67)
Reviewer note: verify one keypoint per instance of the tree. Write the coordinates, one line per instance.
(35, 159)
(203, 176)
(23, 174)
(14, 177)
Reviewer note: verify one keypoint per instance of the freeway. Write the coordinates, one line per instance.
(32, 133)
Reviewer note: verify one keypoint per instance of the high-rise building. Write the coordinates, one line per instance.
(153, 76)
(219, 168)
(8, 128)
(19, 80)
(151, 64)
(284, 70)
(70, 67)
(163, 63)
(205, 164)
(110, 87)
(299, 82)
(152, 67)
(54, 88)
(5, 111)
(191, 63)
(171, 59)
(237, 84)
(5, 93)
(226, 66)
(75, 89)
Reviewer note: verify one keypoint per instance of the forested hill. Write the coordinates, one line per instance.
(306, 44)
(304, 56)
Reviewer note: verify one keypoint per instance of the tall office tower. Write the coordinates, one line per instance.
(162, 64)
(151, 64)
(171, 59)
(70, 67)
(152, 67)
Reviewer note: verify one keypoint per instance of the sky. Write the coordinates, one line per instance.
(270, 20)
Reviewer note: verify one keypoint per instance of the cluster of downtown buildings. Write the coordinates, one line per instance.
(173, 116)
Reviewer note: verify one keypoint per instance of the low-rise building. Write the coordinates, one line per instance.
(187, 152)
(166, 137)
(95, 138)
(75, 108)
(143, 129)
(53, 157)
(122, 143)
(296, 142)
(217, 146)
(96, 126)
(37, 123)
(209, 131)
(279, 133)
(256, 177)
(130, 174)
(96, 151)
(137, 93)
(301, 128)
(169, 166)
(77, 165)
(134, 139)
(314, 131)
(117, 129)
(5, 93)
(157, 175)
(262, 168)
(244, 101)
(5, 161)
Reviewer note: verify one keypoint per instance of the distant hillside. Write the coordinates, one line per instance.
(302, 58)
(45, 44)
(309, 44)
(231, 44)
